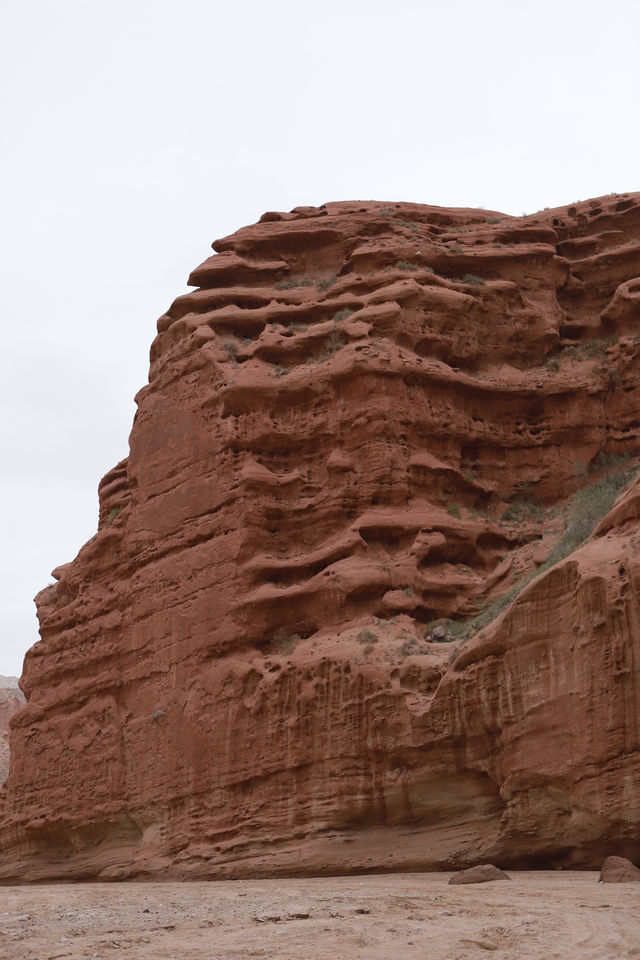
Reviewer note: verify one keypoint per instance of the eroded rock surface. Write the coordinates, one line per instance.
(363, 426)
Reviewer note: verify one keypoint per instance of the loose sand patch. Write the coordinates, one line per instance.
(539, 915)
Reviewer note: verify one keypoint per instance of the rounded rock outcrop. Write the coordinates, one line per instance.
(482, 873)
(619, 870)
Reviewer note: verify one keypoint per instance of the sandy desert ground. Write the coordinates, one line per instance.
(538, 915)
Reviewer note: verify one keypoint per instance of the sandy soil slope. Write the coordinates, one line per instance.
(539, 914)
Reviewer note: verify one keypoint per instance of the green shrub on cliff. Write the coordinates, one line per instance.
(581, 515)
(290, 284)
(587, 507)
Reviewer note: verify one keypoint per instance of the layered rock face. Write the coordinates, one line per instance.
(364, 424)
(11, 700)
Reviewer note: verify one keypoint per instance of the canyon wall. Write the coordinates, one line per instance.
(284, 651)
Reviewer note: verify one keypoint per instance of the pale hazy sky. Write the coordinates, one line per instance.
(135, 133)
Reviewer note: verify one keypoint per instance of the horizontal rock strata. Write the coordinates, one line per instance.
(365, 425)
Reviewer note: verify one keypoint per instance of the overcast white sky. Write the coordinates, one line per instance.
(135, 133)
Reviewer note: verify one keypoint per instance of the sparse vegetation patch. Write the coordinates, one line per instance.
(581, 515)
(593, 349)
(289, 284)
(521, 510)
(334, 343)
(285, 642)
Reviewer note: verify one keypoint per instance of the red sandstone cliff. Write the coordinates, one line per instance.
(366, 418)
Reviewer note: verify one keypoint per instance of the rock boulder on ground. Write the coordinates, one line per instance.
(619, 870)
(483, 873)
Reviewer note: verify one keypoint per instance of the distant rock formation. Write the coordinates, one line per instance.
(11, 700)
(344, 609)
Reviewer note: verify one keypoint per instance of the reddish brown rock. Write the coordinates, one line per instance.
(482, 873)
(11, 700)
(619, 870)
(362, 424)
